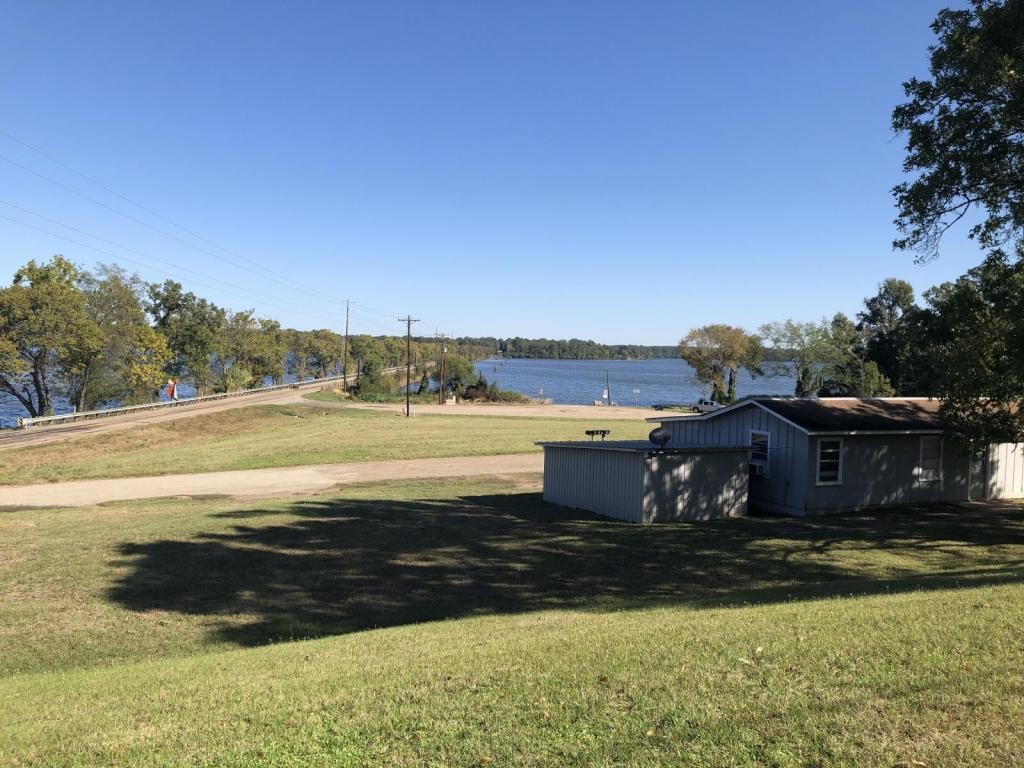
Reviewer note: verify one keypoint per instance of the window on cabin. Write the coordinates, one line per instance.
(929, 467)
(759, 443)
(830, 461)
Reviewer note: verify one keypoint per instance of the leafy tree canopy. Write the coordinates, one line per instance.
(975, 344)
(46, 333)
(965, 131)
(717, 352)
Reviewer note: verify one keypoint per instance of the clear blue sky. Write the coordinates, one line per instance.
(621, 171)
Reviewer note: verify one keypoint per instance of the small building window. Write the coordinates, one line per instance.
(759, 444)
(830, 461)
(929, 466)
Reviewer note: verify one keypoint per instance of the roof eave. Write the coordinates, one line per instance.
(730, 408)
(868, 432)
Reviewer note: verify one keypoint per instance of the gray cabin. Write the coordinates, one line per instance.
(814, 456)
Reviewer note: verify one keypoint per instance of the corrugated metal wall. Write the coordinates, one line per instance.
(1006, 471)
(783, 489)
(882, 471)
(606, 482)
(696, 486)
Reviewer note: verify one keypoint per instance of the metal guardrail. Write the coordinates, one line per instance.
(69, 418)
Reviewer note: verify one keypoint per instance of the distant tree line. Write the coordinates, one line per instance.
(565, 349)
(104, 336)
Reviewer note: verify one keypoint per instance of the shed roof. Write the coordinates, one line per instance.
(637, 446)
(843, 415)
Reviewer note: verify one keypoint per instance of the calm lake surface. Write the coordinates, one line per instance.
(581, 382)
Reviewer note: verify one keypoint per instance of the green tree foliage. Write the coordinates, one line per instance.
(323, 349)
(974, 329)
(459, 373)
(129, 367)
(249, 350)
(46, 333)
(717, 352)
(852, 373)
(564, 349)
(369, 354)
(191, 326)
(888, 325)
(965, 131)
(806, 349)
(965, 153)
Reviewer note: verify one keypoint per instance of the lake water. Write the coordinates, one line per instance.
(581, 382)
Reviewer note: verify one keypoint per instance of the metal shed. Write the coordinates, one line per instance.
(637, 482)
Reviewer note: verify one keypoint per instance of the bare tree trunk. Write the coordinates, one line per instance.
(43, 405)
(24, 399)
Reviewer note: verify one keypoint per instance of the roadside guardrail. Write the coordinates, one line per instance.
(69, 418)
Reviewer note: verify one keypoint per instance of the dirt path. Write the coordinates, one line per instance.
(534, 411)
(261, 483)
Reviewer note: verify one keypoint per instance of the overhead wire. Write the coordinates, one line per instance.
(161, 262)
(266, 273)
(146, 266)
(150, 211)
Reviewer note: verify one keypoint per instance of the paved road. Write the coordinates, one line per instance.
(15, 438)
(261, 483)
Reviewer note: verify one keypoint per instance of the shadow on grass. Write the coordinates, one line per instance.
(340, 565)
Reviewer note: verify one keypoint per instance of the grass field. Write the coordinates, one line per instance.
(283, 436)
(508, 632)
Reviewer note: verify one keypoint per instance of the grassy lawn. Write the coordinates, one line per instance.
(466, 622)
(283, 436)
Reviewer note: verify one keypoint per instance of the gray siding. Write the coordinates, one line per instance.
(695, 486)
(881, 471)
(610, 483)
(1006, 471)
(783, 489)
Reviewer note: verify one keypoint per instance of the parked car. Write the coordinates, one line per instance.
(705, 406)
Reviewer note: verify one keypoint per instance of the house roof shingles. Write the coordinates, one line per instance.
(850, 414)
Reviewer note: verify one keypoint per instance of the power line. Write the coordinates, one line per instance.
(150, 211)
(147, 256)
(372, 324)
(363, 308)
(146, 266)
(263, 272)
(267, 273)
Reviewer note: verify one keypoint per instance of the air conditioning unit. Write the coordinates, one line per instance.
(757, 470)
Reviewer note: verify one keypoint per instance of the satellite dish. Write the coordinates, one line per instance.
(660, 437)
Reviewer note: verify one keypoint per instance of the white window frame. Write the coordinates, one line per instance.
(919, 469)
(767, 452)
(817, 462)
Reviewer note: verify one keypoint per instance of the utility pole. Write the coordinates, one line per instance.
(344, 353)
(608, 387)
(408, 320)
(440, 380)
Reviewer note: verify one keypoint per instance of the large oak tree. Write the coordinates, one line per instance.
(965, 158)
(717, 352)
(965, 132)
(45, 333)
